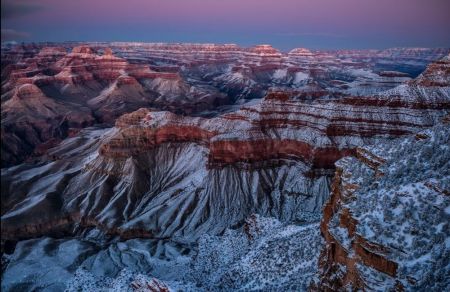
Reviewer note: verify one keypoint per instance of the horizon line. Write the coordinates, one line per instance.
(12, 42)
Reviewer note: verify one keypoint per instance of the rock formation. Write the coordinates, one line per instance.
(386, 221)
(172, 148)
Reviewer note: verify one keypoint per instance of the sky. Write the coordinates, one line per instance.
(285, 24)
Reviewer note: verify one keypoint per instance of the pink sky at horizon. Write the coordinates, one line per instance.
(364, 21)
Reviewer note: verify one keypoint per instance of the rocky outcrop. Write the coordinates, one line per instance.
(436, 75)
(69, 224)
(344, 248)
(154, 285)
(30, 119)
(365, 247)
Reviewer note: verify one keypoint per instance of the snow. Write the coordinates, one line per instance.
(286, 253)
(447, 210)
(280, 74)
(171, 191)
(405, 209)
(300, 77)
(274, 252)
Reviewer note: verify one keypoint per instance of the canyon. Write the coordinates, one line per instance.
(204, 167)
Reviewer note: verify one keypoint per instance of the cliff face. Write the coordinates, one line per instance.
(386, 221)
(30, 119)
(318, 133)
(345, 249)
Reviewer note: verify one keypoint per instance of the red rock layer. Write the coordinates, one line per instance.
(251, 151)
(80, 66)
(66, 224)
(275, 129)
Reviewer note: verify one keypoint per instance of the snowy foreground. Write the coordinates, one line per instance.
(264, 254)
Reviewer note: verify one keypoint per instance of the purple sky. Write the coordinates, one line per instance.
(282, 23)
